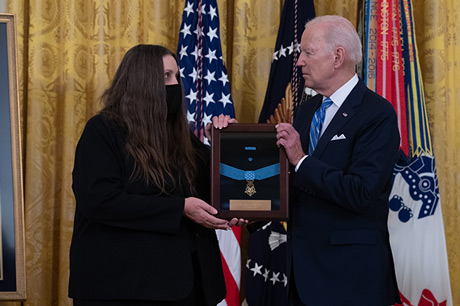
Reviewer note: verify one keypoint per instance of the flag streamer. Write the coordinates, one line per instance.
(390, 78)
(370, 44)
(419, 136)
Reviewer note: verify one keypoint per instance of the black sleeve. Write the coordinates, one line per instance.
(98, 186)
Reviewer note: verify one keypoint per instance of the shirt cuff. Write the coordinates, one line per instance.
(299, 163)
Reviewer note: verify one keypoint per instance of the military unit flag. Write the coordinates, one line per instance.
(415, 218)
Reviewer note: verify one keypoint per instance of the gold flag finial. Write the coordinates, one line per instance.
(283, 113)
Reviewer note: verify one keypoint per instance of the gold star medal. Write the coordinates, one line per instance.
(249, 176)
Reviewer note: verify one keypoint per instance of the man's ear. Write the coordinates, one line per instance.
(339, 57)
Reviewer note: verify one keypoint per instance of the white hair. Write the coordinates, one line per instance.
(340, 32)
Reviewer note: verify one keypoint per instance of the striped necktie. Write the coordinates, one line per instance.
(317, 125)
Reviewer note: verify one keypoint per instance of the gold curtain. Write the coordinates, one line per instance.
(437, 29)
(69, 50)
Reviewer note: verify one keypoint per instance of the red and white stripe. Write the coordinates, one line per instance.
(390, 77)
(230, 251)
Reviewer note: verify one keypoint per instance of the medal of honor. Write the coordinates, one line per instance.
(249, 176)
(250, 188)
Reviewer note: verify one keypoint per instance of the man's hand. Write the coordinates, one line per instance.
(289, 138)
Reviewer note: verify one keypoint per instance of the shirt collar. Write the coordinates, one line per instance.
(339, 96)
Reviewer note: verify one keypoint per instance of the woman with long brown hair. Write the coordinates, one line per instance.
(143, 232)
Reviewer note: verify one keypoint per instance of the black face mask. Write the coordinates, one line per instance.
(174, 100)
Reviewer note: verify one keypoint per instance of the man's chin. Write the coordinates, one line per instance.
(308, 83)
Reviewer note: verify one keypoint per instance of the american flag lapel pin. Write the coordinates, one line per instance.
(345, 115)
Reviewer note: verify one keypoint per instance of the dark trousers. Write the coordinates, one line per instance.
(294, 299)
(293, 294)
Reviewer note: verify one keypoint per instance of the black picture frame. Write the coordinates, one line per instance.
(238, 153)
(12, 259)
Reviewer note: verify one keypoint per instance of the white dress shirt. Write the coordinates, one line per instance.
(338, 97)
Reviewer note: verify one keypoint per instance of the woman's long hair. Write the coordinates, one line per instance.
(160, 145)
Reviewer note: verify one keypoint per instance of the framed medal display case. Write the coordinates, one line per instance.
(249, 173)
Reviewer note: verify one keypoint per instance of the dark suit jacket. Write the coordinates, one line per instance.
(339, 246)
(129, 242)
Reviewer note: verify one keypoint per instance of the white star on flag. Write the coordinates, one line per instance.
(291, 48)
(210, 77)
(275, 278)
(212, 33)
(189, 8)
(257, 269)
(191, 96)
(211, 55)
(212, 12)
(282, 51)
(225, 99)
(194, 74)
(190, 117)
(285, 280)
(209, 98)
(183, 52)
(206, 119)
(266, 274)
(223, 79)
(186, 31)
(203, 9)
(196, 53)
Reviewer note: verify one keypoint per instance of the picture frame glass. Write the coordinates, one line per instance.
(249, 173)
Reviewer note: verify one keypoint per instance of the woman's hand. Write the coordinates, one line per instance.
(219, 122)
(237, 222)
(202, 213)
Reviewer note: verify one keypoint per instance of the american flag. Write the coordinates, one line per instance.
(207, 94)
(202, 70)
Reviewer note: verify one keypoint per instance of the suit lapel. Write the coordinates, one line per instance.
(344, 114)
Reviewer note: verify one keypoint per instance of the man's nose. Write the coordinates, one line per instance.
(300, 61)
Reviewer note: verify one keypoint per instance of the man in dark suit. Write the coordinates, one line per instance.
(339, 251)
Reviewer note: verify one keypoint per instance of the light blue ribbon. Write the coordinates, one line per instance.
(250, 175)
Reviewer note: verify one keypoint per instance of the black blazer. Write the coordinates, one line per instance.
(339, 242)
(129, 242)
